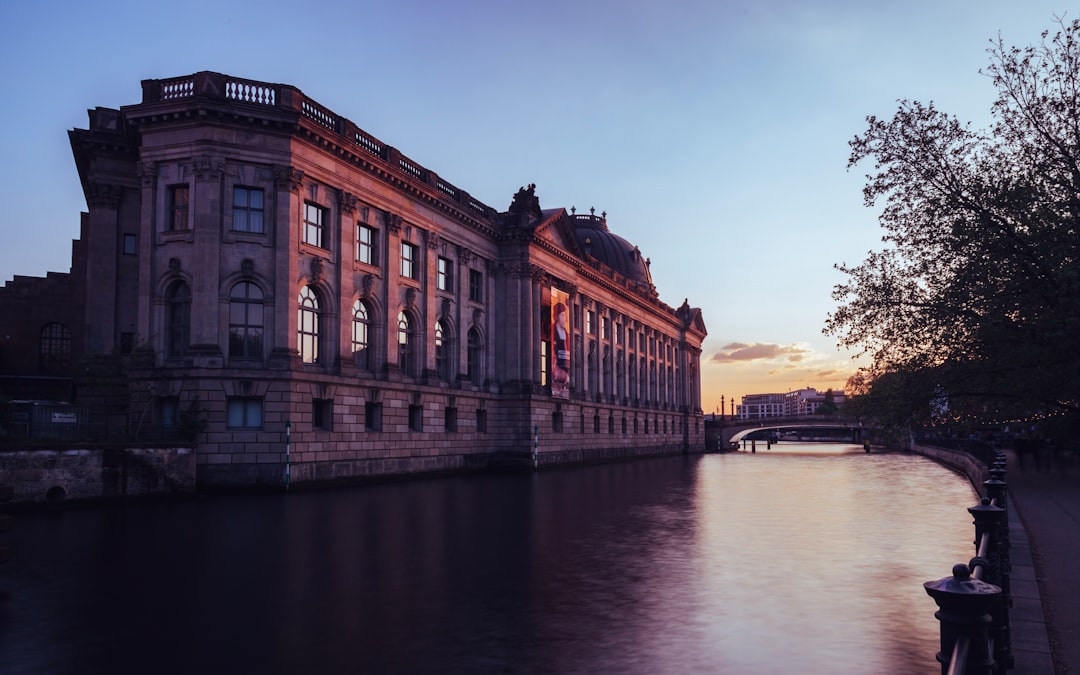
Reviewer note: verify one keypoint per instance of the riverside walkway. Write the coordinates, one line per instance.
(1044, 498)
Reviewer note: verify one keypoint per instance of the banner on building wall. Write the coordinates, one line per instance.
(560, 343)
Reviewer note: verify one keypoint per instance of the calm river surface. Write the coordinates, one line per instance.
(805, 558)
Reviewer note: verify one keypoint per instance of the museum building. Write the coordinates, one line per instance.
(309, 304)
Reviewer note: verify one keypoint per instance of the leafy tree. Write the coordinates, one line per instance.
(828, 406)
(975, 297)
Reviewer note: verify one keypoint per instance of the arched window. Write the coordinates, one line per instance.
(246, 322)
(406, 344)
(55, 348)
(444, 349)
(476, 357)
(361, 324)
(307, 322)
(177, 319)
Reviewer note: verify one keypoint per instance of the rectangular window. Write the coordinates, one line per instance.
(244, 412)
(416, 418)
(450, 419)
(557, 421)
(130, 244)
(247, 210)
(618, 333)
(444, 278)
(322, 414)
(315, 225)
(408, 260)
(365, 244)
(481, 420)
(178, 208)
(605, 328)
(169, 411)
(544, 360)
(590, 321)
(476, 286)
(373, 416)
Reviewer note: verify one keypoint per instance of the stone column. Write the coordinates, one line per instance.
(429, 272)
(393, 286)
(206, 260)
(285, 351)
(148, 275)
(102, 245)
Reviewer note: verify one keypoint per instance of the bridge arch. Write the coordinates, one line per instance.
(733, 431)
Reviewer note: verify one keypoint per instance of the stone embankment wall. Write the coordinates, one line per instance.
(960, 461)
(42, 475)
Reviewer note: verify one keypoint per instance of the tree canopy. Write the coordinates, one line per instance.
(974, 299)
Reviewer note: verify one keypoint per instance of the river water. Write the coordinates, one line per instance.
(805, 558)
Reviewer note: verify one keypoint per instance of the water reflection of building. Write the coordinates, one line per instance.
(252, 263)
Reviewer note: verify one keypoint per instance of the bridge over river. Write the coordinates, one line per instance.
(726, 433)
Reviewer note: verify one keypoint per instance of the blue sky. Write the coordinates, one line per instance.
(713, 133)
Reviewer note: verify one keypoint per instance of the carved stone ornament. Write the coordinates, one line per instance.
(410, 298)
(431, 239)
(367, 284)
(446, 306)
(393, 222)
(348, 203)
(288, 178)
(316, 270)
(247, 267)
(208, 167)
(147, 173)
(477, 314)
(174, 265)
(104, 195)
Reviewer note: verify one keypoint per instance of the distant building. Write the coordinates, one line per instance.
(807, 401)
(258, 273)
(793, 403)
(757, 406)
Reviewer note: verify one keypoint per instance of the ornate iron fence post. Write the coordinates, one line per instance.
(964, 612)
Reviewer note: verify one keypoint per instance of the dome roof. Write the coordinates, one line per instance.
(596, 240)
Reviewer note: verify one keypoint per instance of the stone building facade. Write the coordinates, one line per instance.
(312, 305)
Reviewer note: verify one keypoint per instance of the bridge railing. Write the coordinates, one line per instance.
(973, 603)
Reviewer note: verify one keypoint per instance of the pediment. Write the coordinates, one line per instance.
(557, 228)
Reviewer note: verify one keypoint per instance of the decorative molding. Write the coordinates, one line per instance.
(104, 195)
(208, 167)
(316, 270)
(464, 255)
(347, 201)
(393, 222)
(147, 172)
(431, 239)
(367, 285)
(288, 178)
